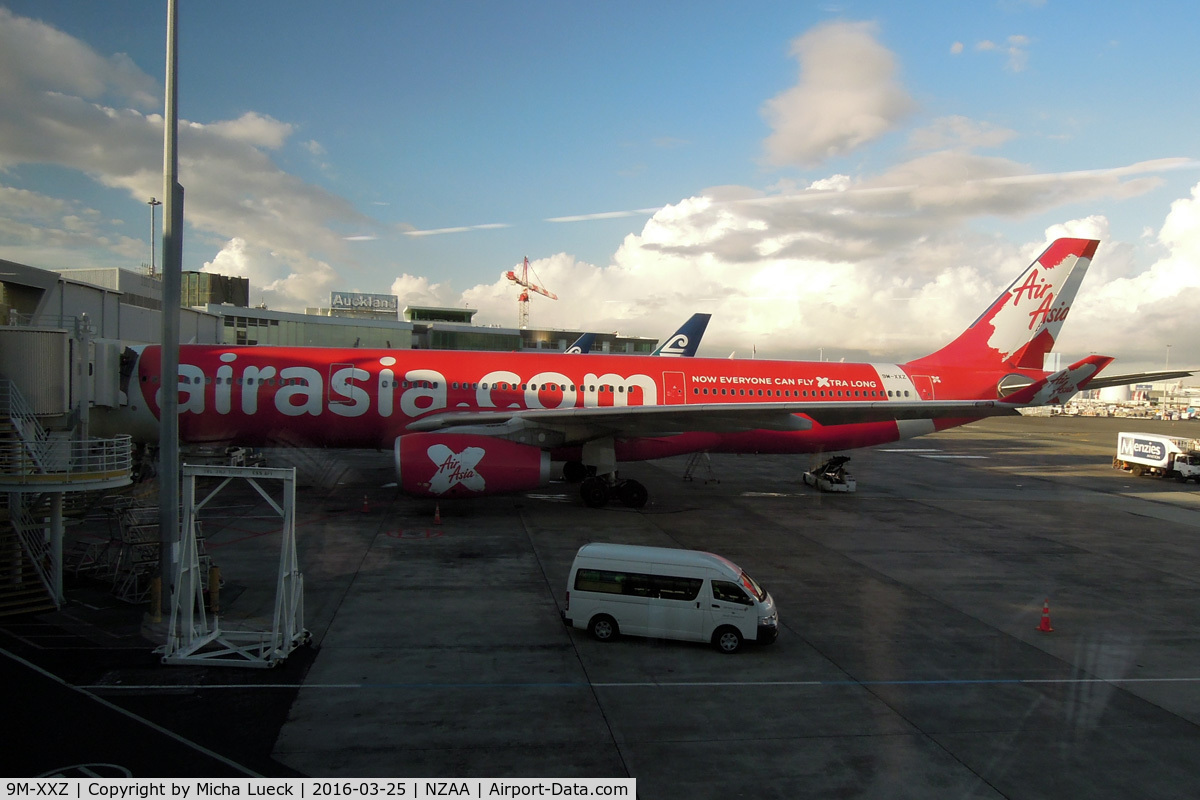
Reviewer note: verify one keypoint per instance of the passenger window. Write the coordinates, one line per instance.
(672, 588)
(730, 593)
(638, 584)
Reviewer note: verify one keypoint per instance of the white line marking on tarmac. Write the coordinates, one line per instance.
(629, 685)
(923, 452)
(948, 456)
(153, 726)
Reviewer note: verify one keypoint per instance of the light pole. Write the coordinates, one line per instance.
(152, 203)
(1167, 393)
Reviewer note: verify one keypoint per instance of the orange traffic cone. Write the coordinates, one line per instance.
(366, 509)
(437, 514)
(1045, 626)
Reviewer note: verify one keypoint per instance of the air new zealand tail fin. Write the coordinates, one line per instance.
(684, 341)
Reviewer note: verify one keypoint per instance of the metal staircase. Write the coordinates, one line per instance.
(26, 574)
(37, 467)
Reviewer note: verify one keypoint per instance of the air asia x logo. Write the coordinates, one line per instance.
(823, 382)
(455, 468)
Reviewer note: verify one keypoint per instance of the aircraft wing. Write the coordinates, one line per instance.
(582, 424)
(1139, 377)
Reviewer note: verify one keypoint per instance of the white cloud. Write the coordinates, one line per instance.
(418, 291)
(848, 95)
(1016, 47)
(36, 58)
(257, 130)
(958, 132)
(54, 112)
(408, 230)
(288, 284)
(1154, 305)
(58, 233)
(881, 267)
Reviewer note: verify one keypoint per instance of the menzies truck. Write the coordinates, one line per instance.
(1155, 454)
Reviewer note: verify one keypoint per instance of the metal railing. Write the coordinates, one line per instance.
(16, 319)
(38, 551)
(25, 431)
(63, 461)
(31, 457)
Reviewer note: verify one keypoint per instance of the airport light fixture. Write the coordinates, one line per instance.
(153, 202)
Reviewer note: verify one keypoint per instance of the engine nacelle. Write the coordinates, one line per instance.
(467, 465)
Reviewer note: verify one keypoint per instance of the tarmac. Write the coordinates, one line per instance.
(909, 663)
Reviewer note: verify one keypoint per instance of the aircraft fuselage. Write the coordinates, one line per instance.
(258, 395)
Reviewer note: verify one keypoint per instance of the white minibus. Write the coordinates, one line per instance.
(667, 593)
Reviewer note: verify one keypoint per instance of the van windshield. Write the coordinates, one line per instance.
(753, 588)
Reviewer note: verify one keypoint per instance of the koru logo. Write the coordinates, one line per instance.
(676, 346)
(455, 468)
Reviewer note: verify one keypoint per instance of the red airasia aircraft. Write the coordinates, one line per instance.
(473, 423)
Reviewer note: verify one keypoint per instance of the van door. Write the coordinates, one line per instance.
(675, 611)
(730, 605)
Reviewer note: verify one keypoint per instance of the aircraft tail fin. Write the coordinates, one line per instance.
(582, 345)
(1021, 325)
(684, 341)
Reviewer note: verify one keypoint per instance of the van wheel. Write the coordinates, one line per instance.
(727, 639)
(603, 628)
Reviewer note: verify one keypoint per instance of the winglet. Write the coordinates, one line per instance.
(1059, 387)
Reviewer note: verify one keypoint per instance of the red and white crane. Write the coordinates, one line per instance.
(522, 280)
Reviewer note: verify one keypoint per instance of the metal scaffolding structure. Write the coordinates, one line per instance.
(191, 637)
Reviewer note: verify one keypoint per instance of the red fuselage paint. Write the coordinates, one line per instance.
(341, 397)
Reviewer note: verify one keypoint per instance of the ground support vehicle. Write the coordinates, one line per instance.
(832, 476)
(666, 593)
(1158, 455)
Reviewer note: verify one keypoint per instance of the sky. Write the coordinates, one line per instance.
(853, 180)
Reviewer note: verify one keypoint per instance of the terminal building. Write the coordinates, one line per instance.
(62, 338)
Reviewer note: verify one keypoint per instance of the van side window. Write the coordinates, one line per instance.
(730, 593)
(670, 588)
(637, 584)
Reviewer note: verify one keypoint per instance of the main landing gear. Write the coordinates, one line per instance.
(598, 490)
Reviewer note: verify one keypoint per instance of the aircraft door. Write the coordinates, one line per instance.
(673, 389)
(337, 398)
(924, 386)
